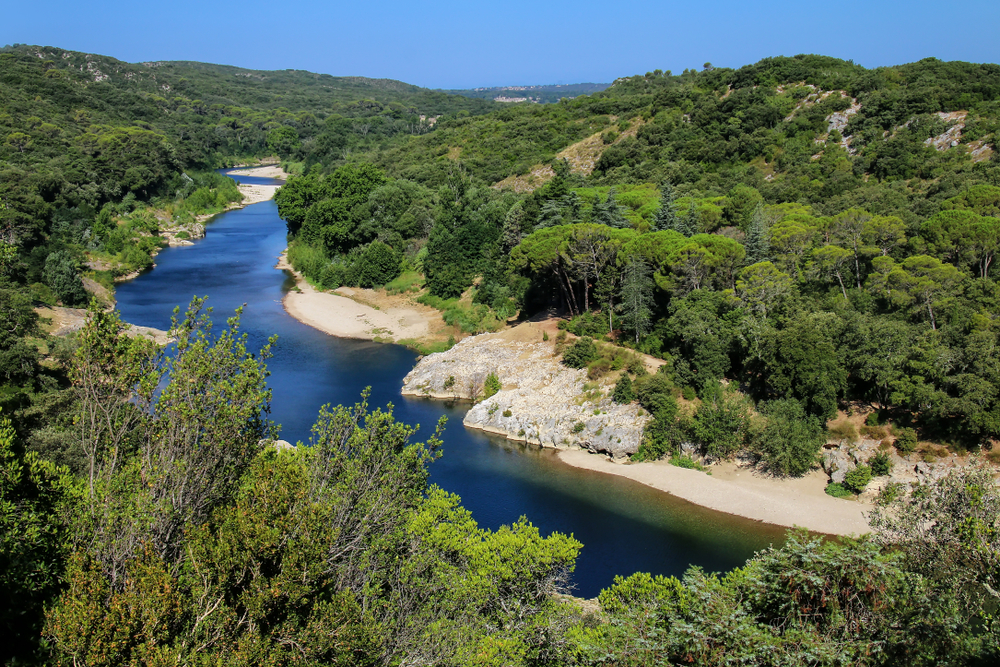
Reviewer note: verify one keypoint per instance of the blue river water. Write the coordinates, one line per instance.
(625, 527)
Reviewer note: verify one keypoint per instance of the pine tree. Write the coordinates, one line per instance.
(637, 297)
(610, 213)
(688, 223)
(758, 242)
(666, 216)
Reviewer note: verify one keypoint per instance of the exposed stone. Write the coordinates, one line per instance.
(542, 401)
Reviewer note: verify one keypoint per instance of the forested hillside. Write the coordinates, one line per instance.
(795, 239)
(821, 233)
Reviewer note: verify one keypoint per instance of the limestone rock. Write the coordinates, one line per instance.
(542, 401)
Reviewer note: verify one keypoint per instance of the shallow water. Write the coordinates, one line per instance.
(625, 527)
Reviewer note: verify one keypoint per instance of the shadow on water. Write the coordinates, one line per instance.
(625, 527)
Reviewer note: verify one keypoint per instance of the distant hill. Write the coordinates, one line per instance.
(294, 90)
(536, 94)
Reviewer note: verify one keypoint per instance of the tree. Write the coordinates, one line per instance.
(758, 239)
(34, 498)
(721, 423)
(926, 283)
(581, 353)
(636, 297)
(610, 213)
(19, 141)
(761, 286)
(849, 229)
(741, 202)
(63, 277)
(379, 264)
(828, 262)
(791, 238)
(789, 440)
(946, 531)
(800, 361)
(283, 141)
(666, 215)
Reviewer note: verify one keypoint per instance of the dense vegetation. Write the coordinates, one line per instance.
(781, 266)
(728, 227)
(536, 94)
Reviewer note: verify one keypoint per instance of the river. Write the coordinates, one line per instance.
(625, 527)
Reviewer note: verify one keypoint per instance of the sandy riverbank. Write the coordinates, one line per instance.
(254, 194)
(742, 492)
(265, 171)
(339, 315)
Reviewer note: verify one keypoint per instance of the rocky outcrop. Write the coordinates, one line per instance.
(840, 457)
(180, 235)
(541, 402)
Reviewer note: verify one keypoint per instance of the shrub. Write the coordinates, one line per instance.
(580, 353)
(62, 276)
(685, 461)
(507, 413)
(845, 431)
(378, 265)
(872, 419)
(789, 440)
(655, 392)
(906, 440)
(720, 424)
(857, 479)
(492, 385)
(578, 427)
(880, 464)
(623, 390)
(837, 490)
(689, 393)
(598, 368)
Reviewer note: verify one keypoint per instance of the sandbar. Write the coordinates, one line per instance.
(742, 492)
(339, 315)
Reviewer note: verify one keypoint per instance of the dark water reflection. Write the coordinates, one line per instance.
(624, 526)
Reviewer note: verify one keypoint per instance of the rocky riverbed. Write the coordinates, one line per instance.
(542, 401)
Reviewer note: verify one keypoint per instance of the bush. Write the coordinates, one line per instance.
(655, 392)
(623, 390)
(720, 424)
(845, 431)
(837, 490)
(378, 265)
(906, 440)
(62, 276)
(578, 427)
(581, 353)
(685, 461)
(857, 479)
(789, 440)
(598, 368)
(880, 464)
(663, 433)
(492, 385)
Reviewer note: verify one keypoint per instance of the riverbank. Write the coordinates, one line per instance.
(342, 313)
(742, 492)
(254, 193)
(542, 402)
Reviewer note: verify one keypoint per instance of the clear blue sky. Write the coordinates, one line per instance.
(468, 44)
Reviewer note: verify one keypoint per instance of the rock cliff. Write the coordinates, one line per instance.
(541, 402)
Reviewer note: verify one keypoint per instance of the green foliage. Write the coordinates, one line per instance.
(721, 423)
(63, 277)
(623, 392)
(581, 353)
(858, 477)
(880, 464)
(837, 491)
(685, 461)
(34, 495)
(789, 440)
(491, 385)
(906, 440)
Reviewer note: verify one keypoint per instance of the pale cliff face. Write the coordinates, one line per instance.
(542, 401)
